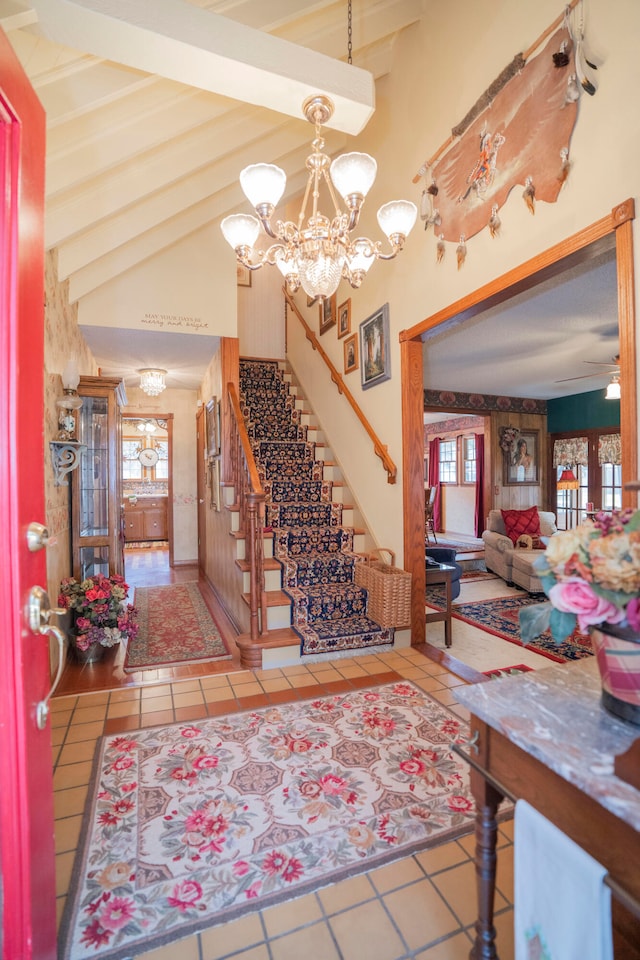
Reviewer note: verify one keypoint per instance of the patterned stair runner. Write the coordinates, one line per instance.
(328, 610)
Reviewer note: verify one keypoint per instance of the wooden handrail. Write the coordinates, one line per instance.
(379, 449)
(250, 498)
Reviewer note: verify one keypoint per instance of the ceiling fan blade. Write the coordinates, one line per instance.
(586, 376)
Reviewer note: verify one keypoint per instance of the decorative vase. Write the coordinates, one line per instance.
(617, 651)
(93, 654)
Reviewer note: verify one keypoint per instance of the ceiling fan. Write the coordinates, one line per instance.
(613, 364)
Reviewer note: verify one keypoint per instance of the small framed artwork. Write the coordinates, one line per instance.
(375, 359)
(327, 314)
(351, 353)
(214, 484)
(344, 319)
(521, 457)
(243, 275)
(210, 418)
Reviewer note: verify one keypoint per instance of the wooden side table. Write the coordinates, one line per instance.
(441, 573)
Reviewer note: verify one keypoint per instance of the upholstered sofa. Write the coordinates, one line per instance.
(515, 563)
(446, 555)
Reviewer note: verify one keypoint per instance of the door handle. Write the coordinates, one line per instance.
(39, 612)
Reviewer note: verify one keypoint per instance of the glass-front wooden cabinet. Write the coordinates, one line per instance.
(96, 491)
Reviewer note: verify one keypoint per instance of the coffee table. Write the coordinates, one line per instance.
(441, 573)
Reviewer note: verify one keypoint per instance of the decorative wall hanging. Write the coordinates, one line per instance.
(375, 359)
(518, 132)
(520, 455)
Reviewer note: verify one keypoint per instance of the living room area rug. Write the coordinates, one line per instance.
(175, 626)
(190, 825)
(500, 618)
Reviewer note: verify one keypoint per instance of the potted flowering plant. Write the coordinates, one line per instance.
(591, 575)
(100, 617)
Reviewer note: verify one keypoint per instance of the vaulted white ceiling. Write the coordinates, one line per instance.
(154, 106)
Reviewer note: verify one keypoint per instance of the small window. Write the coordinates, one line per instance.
(469, 459)
(131, 466)
(448, 461)
(162, 466)
(611, 486)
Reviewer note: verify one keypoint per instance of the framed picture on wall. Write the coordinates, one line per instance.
(521, 458)
(210, 420)
(375, 359)
(243, 275)
(351, 353)
(327, 314)
(344, 319)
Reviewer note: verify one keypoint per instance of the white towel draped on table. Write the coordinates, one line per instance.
(562, 908)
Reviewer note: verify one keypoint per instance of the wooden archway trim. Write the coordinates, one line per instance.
(580, 247)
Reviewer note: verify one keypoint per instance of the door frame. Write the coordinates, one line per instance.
(616, 227)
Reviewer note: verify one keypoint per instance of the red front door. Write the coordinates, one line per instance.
(26, 790)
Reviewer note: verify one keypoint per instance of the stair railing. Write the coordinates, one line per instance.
(379, 448)
(250, 499)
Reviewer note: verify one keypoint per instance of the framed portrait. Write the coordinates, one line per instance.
(344, 319)
(243, 275)
(375, 359)
(521, 458)
(351, 353)
(210, 420)
(327, 314)
(214, 484)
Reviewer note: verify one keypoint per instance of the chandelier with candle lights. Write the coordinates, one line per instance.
(318, 253)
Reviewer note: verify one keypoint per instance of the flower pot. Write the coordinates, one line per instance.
(93, 654)
(617, 651)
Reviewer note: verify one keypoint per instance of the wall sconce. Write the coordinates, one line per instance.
(65, 449)
(146, 426)
(613, 389)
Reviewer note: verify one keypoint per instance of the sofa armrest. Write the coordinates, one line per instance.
(497, 541)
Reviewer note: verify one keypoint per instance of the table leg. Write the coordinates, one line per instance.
(447, 622)
(487, 801)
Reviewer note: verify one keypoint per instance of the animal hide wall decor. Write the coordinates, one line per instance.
(518, 133)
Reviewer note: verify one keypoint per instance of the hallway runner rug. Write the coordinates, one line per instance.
(193, 824)
(176, 627)
(500, 618)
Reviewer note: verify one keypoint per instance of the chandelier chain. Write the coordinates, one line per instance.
(349, 33)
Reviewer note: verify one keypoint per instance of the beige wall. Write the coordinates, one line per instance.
(441, 67)
(62, 340)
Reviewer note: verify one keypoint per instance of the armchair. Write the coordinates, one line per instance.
(500, 552)
(446, 555)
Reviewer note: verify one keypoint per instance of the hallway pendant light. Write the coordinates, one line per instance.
(613, 389)
(146, 426)
(568, 480)
(152, 380)
(319, 253)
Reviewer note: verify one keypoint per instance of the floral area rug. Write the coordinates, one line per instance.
(512, 671)
(500, 618)
(175, 627)
(193, 824)
(328, 609)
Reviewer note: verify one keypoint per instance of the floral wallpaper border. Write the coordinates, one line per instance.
(450, 400)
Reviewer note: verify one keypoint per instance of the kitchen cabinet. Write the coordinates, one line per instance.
(145, 519)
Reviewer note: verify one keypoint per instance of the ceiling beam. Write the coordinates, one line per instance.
(202, 49)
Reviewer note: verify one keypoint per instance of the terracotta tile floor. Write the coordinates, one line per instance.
(421, 907)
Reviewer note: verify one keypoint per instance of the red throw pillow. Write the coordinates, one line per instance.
(517, 522)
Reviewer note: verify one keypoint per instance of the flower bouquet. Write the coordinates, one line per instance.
(99, 613)
(591, 575)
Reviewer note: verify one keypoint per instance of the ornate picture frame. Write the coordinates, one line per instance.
(211, 441)
(521, 456)
(327, 311)
(375, 355)
(344, 319)
(351, 353)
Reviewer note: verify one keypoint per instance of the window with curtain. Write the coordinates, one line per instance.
(448, 462)
(595, 460)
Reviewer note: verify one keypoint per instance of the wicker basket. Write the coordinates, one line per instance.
(389, 589)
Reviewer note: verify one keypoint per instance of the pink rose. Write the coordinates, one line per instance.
(576, 596)
(633, 613)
